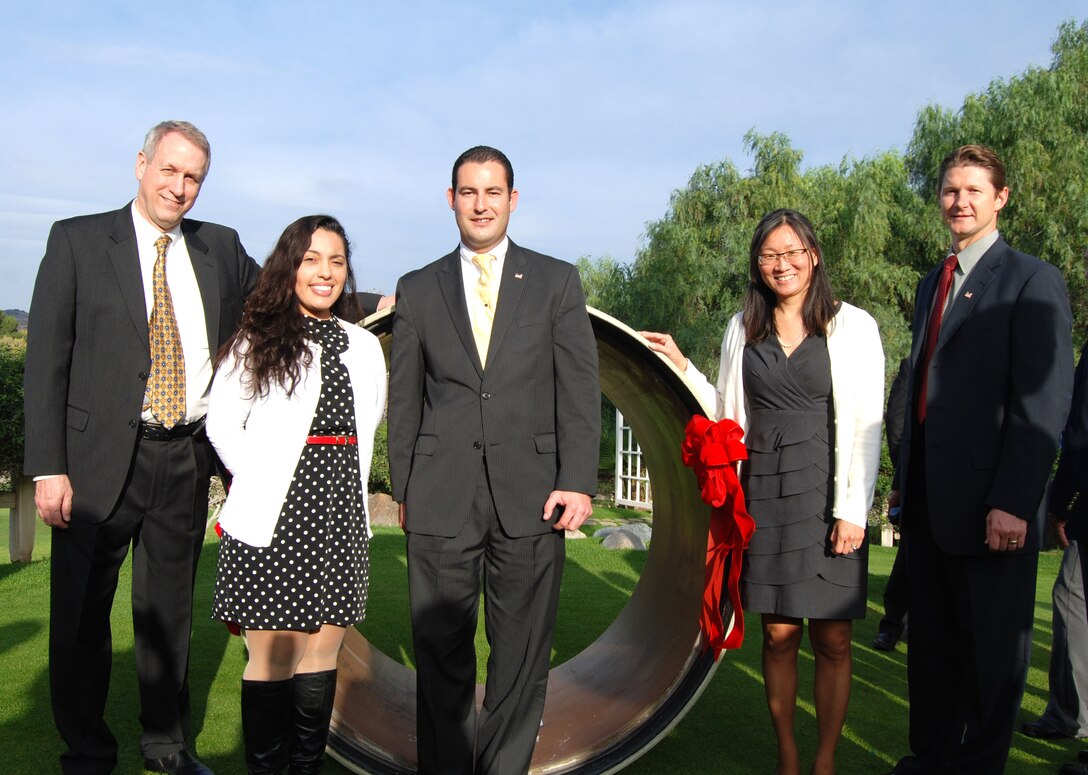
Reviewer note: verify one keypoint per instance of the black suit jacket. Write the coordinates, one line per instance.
(1000, 381)
(535, 410)
(88, 354)
(1069, 493)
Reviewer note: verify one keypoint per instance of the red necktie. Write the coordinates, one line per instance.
(934, 330)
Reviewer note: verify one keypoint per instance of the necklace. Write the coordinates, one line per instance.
(795, 342)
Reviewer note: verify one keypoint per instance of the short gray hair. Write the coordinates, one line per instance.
(186, 130)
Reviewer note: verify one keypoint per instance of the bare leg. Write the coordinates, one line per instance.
(830, 639)
(781, 640)
(322, 649)
(274, 654)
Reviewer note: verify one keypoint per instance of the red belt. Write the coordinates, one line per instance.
(332, 440)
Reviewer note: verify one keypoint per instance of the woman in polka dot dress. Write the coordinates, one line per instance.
(294, 405)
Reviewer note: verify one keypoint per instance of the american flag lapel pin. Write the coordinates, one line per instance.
(968, 295)
(518, 276)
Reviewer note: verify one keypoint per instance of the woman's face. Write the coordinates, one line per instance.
(321, 275)
(789, 275)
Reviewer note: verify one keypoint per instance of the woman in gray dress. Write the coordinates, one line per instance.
(803, 374)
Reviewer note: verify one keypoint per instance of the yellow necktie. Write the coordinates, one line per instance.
(487, 288)
(166, 384)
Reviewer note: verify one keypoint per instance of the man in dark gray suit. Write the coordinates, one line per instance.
(114, 466)
(494, 427)
(1069, 494)
(990, 383)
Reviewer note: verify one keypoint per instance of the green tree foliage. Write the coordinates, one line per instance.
(694, 271)
(12, 357)
(9, 326)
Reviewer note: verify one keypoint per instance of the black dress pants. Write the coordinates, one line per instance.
(162, 514)
(971, 620)
(521, 579)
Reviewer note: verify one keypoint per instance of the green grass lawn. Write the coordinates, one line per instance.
(727, 731)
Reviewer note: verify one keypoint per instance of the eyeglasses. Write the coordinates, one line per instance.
(772, 258)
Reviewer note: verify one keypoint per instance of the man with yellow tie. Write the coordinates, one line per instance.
(129, 308)
(494, 428)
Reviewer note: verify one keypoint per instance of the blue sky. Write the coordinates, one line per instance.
(359, 108)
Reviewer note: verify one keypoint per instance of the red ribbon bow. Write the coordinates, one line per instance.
(711, 449)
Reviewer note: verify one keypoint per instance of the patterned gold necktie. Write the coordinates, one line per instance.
(166, 384)
(487, 288)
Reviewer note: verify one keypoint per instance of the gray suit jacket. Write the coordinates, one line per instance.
(88, 356)
(1000, 381)
(534, 411)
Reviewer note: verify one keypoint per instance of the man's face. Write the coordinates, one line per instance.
(169, 182)
(970, 204)
(482, 203)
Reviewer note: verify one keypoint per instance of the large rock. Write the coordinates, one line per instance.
(383, 510)
(640, 529)
(623, 538)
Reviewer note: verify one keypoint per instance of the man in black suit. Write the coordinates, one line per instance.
(494, 427)
(114, 438)
(990, 384)
(1069, 493)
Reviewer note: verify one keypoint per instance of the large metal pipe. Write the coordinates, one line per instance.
(613, 701)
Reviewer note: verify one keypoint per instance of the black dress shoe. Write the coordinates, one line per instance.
(1073, 769)
(1041, 730)
(178, 763)
(1082, 756)
(884, 642)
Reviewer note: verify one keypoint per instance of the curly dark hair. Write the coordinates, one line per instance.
(271, 342)
(759, 303)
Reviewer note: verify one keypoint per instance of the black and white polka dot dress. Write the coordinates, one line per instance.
(316, 569)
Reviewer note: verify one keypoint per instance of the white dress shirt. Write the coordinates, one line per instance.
(188, 309)
(470, 276)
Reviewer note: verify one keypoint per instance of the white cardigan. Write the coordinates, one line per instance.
(857, 378)
(260, 439)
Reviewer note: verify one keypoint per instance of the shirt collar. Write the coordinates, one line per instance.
(499, 252)
(970, 255)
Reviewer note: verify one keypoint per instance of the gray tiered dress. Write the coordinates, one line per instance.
(316, 569)
(788, 483)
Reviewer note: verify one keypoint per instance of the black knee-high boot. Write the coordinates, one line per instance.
(313, 694)
(266, 725)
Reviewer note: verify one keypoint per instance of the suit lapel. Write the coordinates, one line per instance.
(124, 256)
(451, 284)
(972, 292)
(515, 273)
(207, 280)
(926, 289)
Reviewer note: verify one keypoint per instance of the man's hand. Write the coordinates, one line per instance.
(577, 506)
(846, 537)
(403, 517)
(1056, 528)
(53, 497)
(1005, 532)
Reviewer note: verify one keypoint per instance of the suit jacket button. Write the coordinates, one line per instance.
(143, 375)
(477, 445)
(485, 396)
(133, 423)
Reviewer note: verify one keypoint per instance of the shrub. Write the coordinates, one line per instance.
(12, 358)
(379, 466)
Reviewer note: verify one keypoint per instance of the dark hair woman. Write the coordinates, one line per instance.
(295, 402)
(803, 375)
